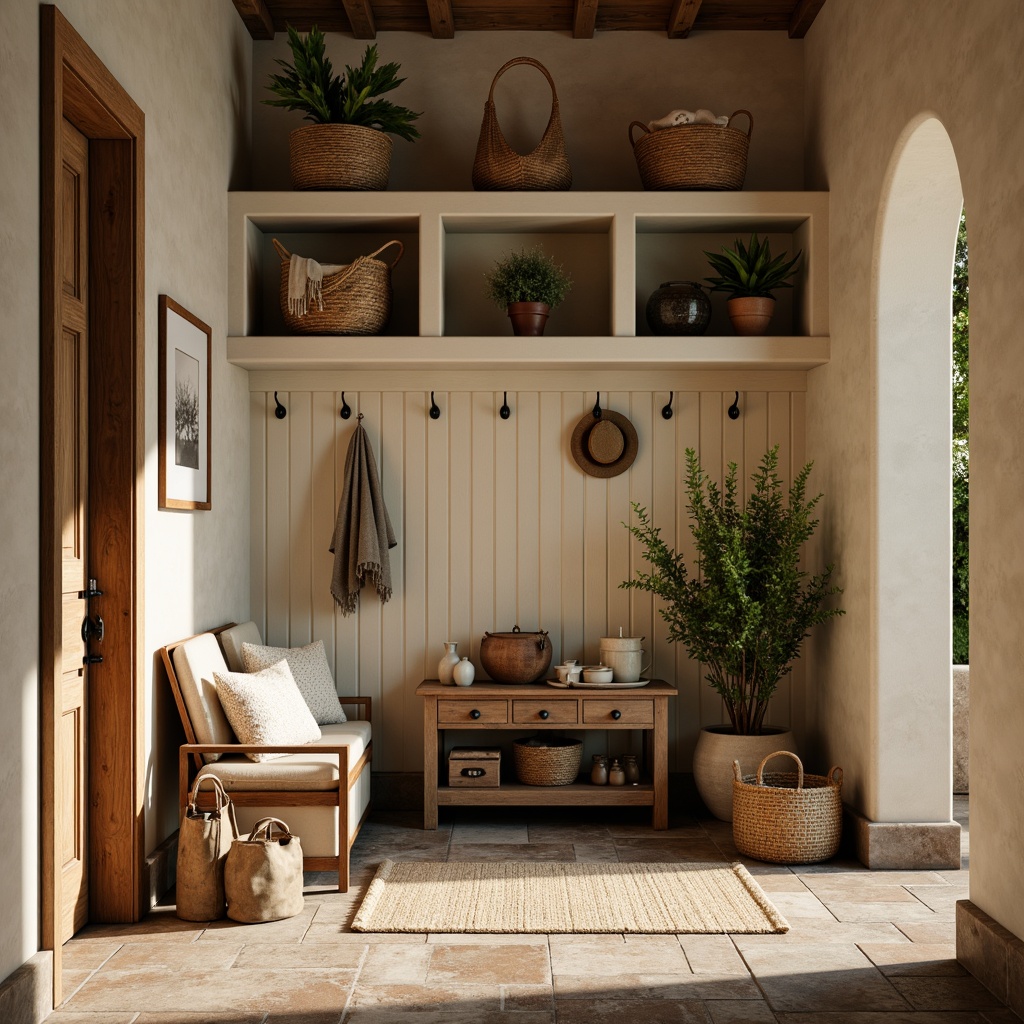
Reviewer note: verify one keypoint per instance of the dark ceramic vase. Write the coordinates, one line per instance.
(679, 307)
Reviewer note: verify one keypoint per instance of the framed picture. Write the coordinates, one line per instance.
(184, 435)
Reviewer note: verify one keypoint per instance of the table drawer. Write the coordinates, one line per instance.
(535, 712)
(470, 712)
(618, 712)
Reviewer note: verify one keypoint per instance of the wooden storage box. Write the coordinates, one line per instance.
(475, 766)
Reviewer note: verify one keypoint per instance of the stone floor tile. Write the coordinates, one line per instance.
(781, 960)
(512, 851)
(173, 956)
(489, 964)
(914, 959)
(517, 998)
(964, 993)
(1004, 1015)
(782, 882)
(480, 938)
(805, 989)
(655, 986)
(795, 905)
(110, 1017)
(447, 998)
(291, 929)
(938, 897)
(187, 1017)
(588, 832)
(510, 832)
(868, 1017)
(822, 931)
(610, 955)
(668, 851)
(604, 852)
(332, 931)
(856, 873)
(937, 929)
(72, 981)
(161, 925)
(396, 963)
(308, 955)
(87, 956)
(445, 1015)
(330, 1017)
(894, 912)
(614, 1011)
(712, 954)
(834, 890)
(735, 1011)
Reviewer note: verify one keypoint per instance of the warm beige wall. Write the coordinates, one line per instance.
(187, 66)
(603, 83)
(873, 68)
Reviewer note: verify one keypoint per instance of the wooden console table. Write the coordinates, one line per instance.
(537, 706)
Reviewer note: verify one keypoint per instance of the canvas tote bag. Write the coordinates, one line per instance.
(203, 843)
(263, 874)
(499, 167)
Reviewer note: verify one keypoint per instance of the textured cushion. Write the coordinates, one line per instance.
(195, 662)
(265, 708)
(231, 640)
(310, 671)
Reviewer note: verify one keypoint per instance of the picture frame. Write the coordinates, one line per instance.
(184, 408)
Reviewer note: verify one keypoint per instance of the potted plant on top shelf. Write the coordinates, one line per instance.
(528, 284)
(750, 275)
(346, 147)
(744, 610)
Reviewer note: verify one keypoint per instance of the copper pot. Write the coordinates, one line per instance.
(515, 657)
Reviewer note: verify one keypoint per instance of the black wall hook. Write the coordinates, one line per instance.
(504, 412)
(280, 412)
(597, 407)
(666, 410)
(734, 409)
(345, 410)
(435, 412)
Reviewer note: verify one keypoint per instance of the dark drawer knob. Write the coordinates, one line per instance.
(616, 714)
(544, 714)
(474, 713)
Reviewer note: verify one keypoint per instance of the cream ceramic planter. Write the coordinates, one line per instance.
(718, 746)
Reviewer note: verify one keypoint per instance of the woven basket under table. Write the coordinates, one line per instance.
(553, 761)
(787, 817)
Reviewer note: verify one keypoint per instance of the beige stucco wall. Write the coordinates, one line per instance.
(873, 68)
(187, 66)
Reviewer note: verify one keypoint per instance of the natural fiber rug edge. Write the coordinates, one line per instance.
(774, 922)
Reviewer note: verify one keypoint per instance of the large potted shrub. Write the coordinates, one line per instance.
(744, 608)
(347, 146)
(528, 284)
(751, 276)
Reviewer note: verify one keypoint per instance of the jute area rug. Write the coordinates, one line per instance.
(556, 897)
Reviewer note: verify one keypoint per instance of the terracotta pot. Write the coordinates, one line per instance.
(528, 318)
(751, 314)
(718, 746)
(515, 657)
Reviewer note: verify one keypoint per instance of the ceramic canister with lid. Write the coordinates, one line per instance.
(624, 655)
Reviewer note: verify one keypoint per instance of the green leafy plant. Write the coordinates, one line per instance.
(310, 85)
(749, 270)
(527, 275)
(961, 459)
(747, 606)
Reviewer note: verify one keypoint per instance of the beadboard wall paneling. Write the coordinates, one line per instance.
(496, 526)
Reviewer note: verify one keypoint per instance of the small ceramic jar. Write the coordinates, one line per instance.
(616, 776)
(632, 769)
(464, 673)
(599, 773)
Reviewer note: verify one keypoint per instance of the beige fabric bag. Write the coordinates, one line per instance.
(203, 843)
(263, 874)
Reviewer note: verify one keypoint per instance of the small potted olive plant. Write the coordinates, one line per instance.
(347, 146)
(528, 284)
(750, 275)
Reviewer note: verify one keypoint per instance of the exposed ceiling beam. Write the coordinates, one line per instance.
(256, 18)
(360, 16)
(680, 21)
(442, 21)
(584, 18)
(803, 15)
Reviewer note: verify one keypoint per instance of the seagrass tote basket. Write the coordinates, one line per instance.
(692, 156)
(547, 761)
(355, 299)
(787, 817)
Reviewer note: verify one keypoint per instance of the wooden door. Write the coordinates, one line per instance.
(71, 363)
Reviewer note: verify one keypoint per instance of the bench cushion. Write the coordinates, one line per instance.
(195, 662)
(231, 640)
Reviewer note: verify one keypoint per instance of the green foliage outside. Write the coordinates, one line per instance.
(527, 275)
(310, 85)
(749, 270)
(961, 467)
(746, 607)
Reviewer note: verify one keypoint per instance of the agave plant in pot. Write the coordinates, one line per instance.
(750, 275)
(744, 608)
(347, 146)
(528, 284)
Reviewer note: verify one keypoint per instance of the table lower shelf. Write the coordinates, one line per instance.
(515, 794)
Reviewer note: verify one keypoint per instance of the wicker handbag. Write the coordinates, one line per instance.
(704, 156)
(498, 167)
(786, 817)
(355, 299)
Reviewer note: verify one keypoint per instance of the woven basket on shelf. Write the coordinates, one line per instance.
(787, 817)
(697, 156)
(356, 298)
(543, 761)
(339, 157)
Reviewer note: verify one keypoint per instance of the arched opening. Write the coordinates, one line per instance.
(917, 235)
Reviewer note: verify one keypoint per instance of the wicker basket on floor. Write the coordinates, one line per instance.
(787, 817)
(547, 761)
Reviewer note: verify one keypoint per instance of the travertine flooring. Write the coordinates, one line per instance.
(864, 948)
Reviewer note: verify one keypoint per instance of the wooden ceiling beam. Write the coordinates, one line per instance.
(256, 18)
(803, 16)
(584, 19)
(680, 21)
(442, 20)
(360, 17)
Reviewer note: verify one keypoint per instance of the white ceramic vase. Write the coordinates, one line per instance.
(464, 673)
(718, 746)
(448, 662)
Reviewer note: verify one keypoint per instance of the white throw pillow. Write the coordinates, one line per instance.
(266, 708)
(311, 672)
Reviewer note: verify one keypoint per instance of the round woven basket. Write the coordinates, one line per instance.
(704, 156)
(543, 761)
(787, 817)
(341, 157)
